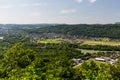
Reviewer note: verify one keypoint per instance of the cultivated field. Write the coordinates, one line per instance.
(94, 51)
(52, 41)
(110, 43)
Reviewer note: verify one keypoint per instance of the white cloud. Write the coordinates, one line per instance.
(79, 1)
(33, 4)
(68, 11)
(5, 6)
(36, 4)
(39, 4)
(24, 5)
(36, 14)
(92, 1)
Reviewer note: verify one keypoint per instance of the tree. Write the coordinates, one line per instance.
(16, 57)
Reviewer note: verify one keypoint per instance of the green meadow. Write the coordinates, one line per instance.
(109, 43)
(52, 41)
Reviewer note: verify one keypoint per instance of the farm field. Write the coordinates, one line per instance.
(109, 43)
(53, 41)
(94, 51)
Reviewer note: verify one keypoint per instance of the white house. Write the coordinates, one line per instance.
(76, 61)
(1, 38)
(100, 59)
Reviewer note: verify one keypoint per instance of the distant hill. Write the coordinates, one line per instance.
(79, 30)
(23, 26)
(96, 30)
(117, 23)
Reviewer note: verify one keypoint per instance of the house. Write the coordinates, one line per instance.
(107, 59)
(1, 38)
(100, 59)
(76, 61)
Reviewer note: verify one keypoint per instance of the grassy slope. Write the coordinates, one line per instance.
(110, 43)
(53, 41)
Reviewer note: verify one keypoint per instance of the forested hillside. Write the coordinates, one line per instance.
(53, 63)
(83, 30)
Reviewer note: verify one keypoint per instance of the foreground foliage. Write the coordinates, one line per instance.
(20, 63)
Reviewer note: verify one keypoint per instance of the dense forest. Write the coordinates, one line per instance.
(83, 30)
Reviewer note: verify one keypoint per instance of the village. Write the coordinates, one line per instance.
(110, 60)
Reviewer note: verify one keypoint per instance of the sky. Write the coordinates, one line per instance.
(59, 11)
